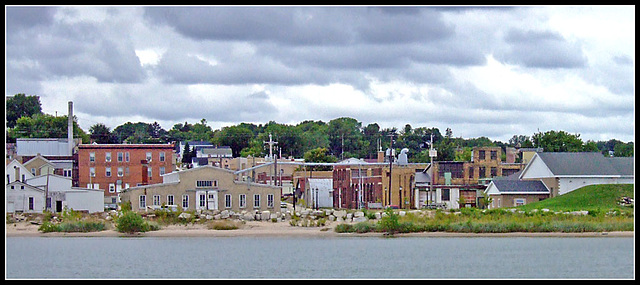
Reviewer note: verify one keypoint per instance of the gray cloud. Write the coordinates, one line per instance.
(542, 49)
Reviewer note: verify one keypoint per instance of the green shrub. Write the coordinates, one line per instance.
(132, 222)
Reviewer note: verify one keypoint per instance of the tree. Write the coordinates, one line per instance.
(558, 141)
(20, 105)
(319, 155)
(186, 154)
(101, 134)
(345, 137)
(46, 126)
(236, 137)
(623, 149)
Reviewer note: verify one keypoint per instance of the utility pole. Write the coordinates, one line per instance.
(390, 165)
(271, 143)
(432, 153)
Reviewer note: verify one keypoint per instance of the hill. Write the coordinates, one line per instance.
(591, 198)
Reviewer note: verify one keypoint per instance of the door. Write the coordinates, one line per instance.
(212, 201)
(58, 206)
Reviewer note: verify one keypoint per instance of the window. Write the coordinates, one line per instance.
(120, 171)
(243, 201)
(92, 156)
(92, 172)
(112, 188)
(126, 171)
(270, 201)
(169, 199)
(107, 171)
(456, 169)
(471, 172)
(445, 195)
(256, 200)
(481, 155)
(67, 172)
(120, 156)
(494, 172)
(148, 157)
(149, 172)
(126, 156)
(185, 201)
(33, 171)
(161, 170)
(227, 201)
(519, 201)
(494, 155)
(156, 200)
(162, 156)
(206, 183)
(482, 172)
(107, 157)
(202, 200)
(142, 202)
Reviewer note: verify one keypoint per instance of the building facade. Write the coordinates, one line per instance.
(115, 167)
(204, 188)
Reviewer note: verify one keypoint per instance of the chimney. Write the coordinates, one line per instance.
(70, 128)
(16, 173)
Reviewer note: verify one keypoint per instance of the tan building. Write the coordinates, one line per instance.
(204, 188)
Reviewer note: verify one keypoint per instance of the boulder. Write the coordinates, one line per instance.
(340, 213)
(265, 215)
(358, 214)
(184, 215)
(360, 219)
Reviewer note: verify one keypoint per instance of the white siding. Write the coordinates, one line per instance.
(536, 169)
(568, 184)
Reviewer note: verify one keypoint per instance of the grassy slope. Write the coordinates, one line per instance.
(592, 197)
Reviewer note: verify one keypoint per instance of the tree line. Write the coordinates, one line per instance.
(317, 141)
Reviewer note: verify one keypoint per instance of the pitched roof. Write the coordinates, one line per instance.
(520, 186)
(586, 163)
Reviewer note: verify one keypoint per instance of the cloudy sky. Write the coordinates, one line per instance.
(481, 71)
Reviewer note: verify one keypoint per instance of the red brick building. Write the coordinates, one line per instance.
(114, 167)
(356, 181)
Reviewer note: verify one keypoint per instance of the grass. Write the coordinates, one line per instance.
(600, 200)
(591, 198)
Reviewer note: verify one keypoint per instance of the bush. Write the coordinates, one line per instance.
(132, 222)
(223, 225)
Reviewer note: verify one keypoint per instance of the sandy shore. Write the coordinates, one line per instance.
(270, 229)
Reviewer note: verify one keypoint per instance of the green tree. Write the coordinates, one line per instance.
(100, 133)
(623, 149)
(558, 141)
(46, 126)
(20, 105)
(345, 137)
(236, 137)
(319, 155)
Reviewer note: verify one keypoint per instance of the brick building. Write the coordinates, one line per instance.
(356, 184)
(115, 167)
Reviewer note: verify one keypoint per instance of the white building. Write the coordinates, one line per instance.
(563, 172)
(320, 192)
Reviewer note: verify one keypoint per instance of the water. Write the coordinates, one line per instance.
(339, 257)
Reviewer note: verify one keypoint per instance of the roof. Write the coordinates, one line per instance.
(586, 163)
(520, 186)
(351, 161)
(124, 146)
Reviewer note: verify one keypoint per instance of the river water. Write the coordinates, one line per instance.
(319, 258)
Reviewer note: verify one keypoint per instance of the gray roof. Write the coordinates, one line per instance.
(586, 163)
(532, 186)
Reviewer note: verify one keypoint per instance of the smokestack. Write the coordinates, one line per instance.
(70, 128)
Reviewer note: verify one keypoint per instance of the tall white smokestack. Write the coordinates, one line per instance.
(70, 128)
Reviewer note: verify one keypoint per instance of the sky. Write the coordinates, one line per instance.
(489, 72)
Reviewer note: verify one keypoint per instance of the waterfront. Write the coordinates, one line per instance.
(320, 257)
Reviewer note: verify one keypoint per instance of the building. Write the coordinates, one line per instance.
(56, 153)
(357, 184)
(204, 188)
(26, 192)
(563, 172)
(460, 183)
(115, 167)
(514, 192)
(320, 192)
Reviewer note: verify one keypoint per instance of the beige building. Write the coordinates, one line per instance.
(204, 188)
